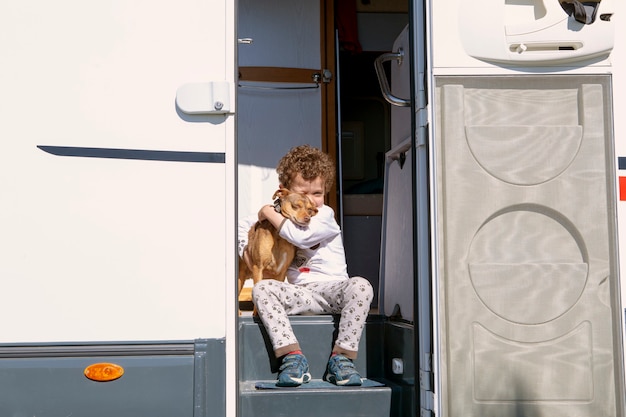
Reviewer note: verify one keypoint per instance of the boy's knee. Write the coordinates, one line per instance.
(363, 286)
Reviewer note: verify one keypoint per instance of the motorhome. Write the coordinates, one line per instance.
(481, 157)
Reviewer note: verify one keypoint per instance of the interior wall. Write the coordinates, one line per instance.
(274, 117)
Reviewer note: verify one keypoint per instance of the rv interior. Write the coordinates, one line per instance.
(306, 75)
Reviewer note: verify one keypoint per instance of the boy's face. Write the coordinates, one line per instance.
(314, 189)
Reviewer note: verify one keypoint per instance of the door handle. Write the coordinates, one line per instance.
(204, 98)
(382, 77)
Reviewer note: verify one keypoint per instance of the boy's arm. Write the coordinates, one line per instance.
(270, 214)
(322, 227)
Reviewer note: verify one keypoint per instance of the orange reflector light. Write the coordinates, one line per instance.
(103, 372)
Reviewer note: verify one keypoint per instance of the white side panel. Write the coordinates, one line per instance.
(273, 120)
(110, 247)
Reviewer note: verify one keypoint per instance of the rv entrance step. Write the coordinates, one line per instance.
(258, 370)
(314, 399)
(313, 384)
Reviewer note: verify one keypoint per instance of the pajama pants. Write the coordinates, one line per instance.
(351, 298)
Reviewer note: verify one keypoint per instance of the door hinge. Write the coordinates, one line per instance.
(421, 117)
(427, 377)
(427, 383)
(426, 413)
(427, 380)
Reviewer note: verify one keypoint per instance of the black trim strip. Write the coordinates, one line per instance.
(621, 162)
(145, 155)
(83, 350)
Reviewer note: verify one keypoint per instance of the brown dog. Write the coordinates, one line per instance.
(270, 255)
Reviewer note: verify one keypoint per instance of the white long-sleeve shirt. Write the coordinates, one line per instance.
(319, 256)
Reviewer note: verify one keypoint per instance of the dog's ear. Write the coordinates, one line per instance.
(281, 193)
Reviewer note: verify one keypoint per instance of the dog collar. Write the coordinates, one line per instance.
(277, 205)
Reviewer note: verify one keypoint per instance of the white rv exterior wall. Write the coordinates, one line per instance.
(97, 249)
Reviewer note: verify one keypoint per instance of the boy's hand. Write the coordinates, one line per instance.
(263, 211)
(269, 213)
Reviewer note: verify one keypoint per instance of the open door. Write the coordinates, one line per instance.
(406, 288)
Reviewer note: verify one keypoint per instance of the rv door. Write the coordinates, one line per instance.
(529, 310)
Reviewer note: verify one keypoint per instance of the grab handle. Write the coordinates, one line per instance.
(382, 77)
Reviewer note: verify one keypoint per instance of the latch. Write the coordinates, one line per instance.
(211, 97)
(327, 75)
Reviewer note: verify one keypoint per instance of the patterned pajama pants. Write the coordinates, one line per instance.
(351, 298)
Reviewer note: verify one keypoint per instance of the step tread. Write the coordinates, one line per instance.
(308, 400)
(261, 386)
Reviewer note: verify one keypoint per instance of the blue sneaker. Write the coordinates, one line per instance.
(341, 371)
(294, 371)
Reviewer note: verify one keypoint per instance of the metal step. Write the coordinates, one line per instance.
(258, 370)
(317, 398)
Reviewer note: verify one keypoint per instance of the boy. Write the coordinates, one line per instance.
(317, 280)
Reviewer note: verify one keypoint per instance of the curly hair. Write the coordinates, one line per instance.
(307, 161)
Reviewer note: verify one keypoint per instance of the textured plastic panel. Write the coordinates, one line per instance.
(529, 285)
